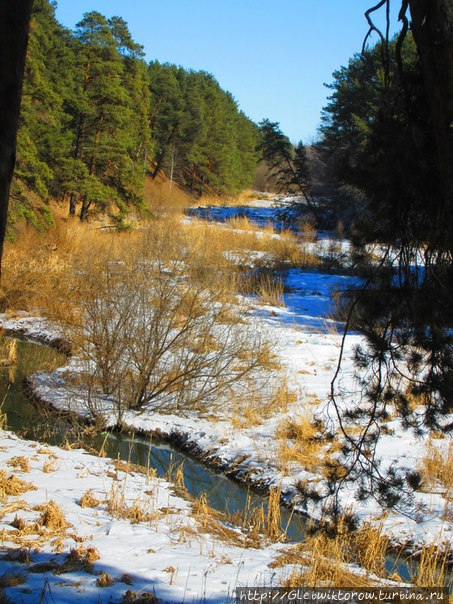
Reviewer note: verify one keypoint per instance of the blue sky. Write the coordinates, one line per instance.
(272, 55)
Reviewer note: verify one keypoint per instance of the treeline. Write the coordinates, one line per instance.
(200, 137)
(376, 156)
(373, 167)
(97, 119)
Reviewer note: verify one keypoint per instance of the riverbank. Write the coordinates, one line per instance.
(250, 453)
(77, 527)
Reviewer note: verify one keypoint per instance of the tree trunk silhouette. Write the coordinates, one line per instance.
(14, 25)
(432, 27)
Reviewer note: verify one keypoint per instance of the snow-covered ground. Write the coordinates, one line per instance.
(169, 552)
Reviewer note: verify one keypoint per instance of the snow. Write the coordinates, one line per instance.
(204, 566)
(31, 325)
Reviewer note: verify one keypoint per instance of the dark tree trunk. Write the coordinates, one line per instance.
(14, 24)
(84, 209)
(432, 27)
(72, 204)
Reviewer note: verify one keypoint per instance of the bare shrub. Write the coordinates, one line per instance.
(151, 333)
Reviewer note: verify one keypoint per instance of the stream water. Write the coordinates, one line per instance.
(25, 419)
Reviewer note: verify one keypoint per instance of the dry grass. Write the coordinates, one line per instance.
(50, 526)
(432, 567)
(437, 469)
(248, 416)
(139, 510)
(161, 197)
(52, 517)
(273, 525)
(40, 269)
(307, 230)
(213, 522)
(241, 199)
(12, 579)
(270, 291)
(22, 556)
(258, 406)
(22, 463)
(241, 236)
(50, 465)
(324, 560)
(79, 559)
(13, 506)
(8, 352)
(13, 486)
(88, 500)
(105, 580)
(257, 525)
(370, 546)
(3, 419)
(44, 451)
(146, 597)
(300, 442)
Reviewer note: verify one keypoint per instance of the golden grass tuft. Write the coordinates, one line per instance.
(51, 526)
(437, 469)
(213, 522)
(135, 512)
(22, 463)
(88, 500)
(12, 352)
(370, 546)
(307, 230)
(432, 567)
(52, 517)
(161, 197)
(269, 360)
(273, 526)
(79, 558)
(299, 441)
(105, 580)
(50, 465)
(323, 561)
(257, 407)
(44, 451)
(13, 486)
(127, 468)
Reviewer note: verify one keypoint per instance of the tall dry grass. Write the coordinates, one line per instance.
(436, 471)
(39, 268)
(162, 196)
(299, 441)
(324, 560)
